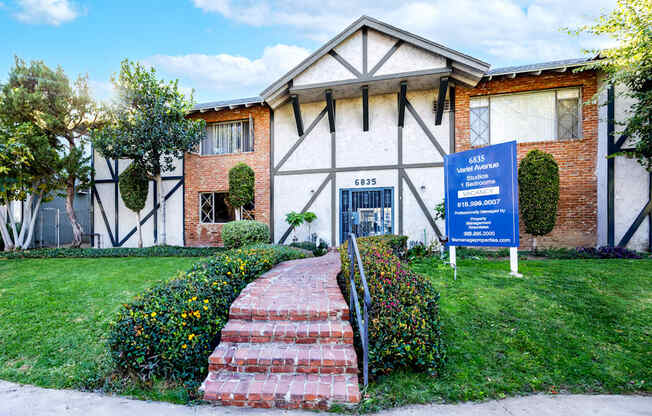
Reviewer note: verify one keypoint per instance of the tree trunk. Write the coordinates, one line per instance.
(4, 232)
(140, 231)
(25, 240)
(162, 204)
(534, 244)
(72, 217)
(238, 214)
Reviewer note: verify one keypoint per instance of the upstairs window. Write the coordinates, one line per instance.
(228, 137)
(526, 117)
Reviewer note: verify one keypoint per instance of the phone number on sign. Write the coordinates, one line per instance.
(479, 203)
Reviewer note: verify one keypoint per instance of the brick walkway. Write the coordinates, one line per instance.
(288, 342)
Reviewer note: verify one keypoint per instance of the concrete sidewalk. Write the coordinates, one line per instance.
(19, 400)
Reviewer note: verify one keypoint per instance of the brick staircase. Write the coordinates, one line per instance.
(288, 342)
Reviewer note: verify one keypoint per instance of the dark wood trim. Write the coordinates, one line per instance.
(451, 119)
(301, 138)
(425, 128)
(106, 221)
(271, 173)
(345, 63)
(385, 57)
(646, 211)
(116, 201)
(308, 205)
(401, 103)
(365, 108)
(151, 212)
(297, 114)
(421, 204)
(330, 109)
(358, 168)
(441, 99)
(364, 50)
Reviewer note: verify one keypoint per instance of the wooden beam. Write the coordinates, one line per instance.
(365, 108)
(401, 103)
(345, 63)
(647, 209)
(441, 99)
(385, 57)
(297, 114)
(331, 110)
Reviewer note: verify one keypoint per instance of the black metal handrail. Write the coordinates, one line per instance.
(363, 321)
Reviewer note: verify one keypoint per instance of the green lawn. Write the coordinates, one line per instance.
(566, 326)
(54, 315)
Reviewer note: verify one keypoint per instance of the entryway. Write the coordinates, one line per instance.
(367, 211)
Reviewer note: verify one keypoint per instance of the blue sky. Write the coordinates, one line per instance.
(227, 49)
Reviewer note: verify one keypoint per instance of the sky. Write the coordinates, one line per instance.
(224, 49)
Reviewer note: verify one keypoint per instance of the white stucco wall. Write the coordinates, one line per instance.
(326, 69)
(127, 218)
(378, 44)
(351, 50)
(631, 182)
(356, 148)
(408, 58)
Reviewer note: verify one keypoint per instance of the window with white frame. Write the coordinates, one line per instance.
(526, 117)
(228, 137)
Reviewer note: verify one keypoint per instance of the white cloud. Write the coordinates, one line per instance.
(228, 76)
(503, 32)
(51, 12)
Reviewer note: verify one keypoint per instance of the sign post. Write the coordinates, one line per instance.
(482, 200)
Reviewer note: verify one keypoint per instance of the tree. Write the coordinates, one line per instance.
(149, 126)
(29, 168)
(309, 217)
(538, 193)
(134, 187)
(241, 187)
(63, 111)
(629, 62)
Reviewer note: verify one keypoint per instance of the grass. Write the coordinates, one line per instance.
(566, 326)
(54, 316)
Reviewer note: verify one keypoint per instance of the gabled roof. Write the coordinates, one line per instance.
(458, 57)
(220, 105)
(543, 66)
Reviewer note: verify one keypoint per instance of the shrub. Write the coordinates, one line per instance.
(538, 187)
(171, 329)
(237, 234)
(134, 187)
(317, 250)
(397, 243)
(156, 251)
(404, 327)
(241, 185)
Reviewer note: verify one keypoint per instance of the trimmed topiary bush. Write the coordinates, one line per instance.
(170, 330)
(134, 187)
(538, 192)
(237, 234)
(404, 326)
(241, 187)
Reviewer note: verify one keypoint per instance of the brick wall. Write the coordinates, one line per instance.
(211, 174)
(578, 205)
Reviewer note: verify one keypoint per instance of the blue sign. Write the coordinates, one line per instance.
(482, 197)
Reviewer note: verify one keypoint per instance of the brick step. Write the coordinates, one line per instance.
(284, 358)
(284, 306)
(308, 391)
(298, 332)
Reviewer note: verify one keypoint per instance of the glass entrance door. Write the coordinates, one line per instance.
(366, 212)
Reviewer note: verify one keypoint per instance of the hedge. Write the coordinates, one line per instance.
(237, 234)
(155, 251)
(317, 250)
(397, 243)
(404, 326)
(538, 192)
(170, 330)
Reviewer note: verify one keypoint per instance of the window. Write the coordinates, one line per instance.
(228, 137)
(525, 117)
(568, 114)
(479, 121)
(214, 208)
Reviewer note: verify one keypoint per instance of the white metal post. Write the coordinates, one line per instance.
(453, 260)
(513, 262)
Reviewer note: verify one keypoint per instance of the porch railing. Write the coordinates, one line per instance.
(362, 318)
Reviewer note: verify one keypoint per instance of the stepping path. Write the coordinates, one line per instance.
(288, 342)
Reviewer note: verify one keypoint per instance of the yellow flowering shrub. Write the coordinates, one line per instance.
(172, 328)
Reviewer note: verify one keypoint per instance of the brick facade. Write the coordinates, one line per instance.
(210, 174)
(578, 202)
